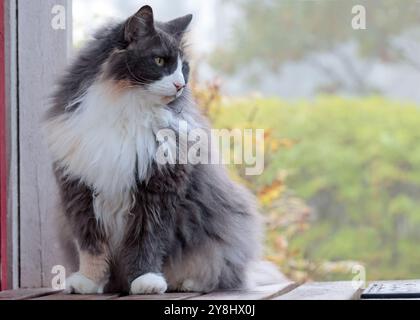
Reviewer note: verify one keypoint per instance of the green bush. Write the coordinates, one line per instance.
(356, 163)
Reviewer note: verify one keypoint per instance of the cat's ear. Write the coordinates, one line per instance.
(179, 26)
(141, 24)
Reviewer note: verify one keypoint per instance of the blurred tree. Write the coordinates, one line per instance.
(273, 32)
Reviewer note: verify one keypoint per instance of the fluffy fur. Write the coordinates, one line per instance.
(182, 227)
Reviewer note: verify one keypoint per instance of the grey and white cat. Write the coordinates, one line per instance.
(142, 227)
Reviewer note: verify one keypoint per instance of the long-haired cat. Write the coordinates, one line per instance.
(142, 227)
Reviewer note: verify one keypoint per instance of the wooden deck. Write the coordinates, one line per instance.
(283, 291)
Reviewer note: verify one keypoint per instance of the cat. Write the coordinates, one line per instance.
(142, 227)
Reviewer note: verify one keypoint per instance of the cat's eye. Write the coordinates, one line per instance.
(160, 61)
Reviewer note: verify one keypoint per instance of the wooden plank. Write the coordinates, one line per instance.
(43, 54)
(12, 144)
(259, 293)
(25, 294)
(75, 297)
(167, 296)
(323, 291)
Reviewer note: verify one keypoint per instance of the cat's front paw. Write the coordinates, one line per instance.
(79, 284)
(150, 283)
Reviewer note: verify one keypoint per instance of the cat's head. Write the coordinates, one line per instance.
(152, 57)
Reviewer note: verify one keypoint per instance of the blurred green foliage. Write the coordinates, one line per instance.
(273, 33)
(356, 165)
(276, 31)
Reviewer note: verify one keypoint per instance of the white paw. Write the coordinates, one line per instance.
(79, 284)
(150, 283)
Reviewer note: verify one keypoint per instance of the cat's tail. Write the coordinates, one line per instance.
(263, 273)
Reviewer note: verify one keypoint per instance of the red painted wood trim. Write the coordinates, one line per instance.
(3, 156)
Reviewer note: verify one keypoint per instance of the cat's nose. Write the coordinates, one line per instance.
(179, 86)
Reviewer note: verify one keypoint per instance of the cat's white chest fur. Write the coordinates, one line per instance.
(103, 141)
